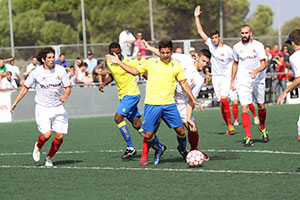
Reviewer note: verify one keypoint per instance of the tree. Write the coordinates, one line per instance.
(291, 25)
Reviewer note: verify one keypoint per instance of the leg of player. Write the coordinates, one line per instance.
(153, 141)
(36, 155)
(235, 112)
(181, 139)
(56, 143)
(252, 108)
(225, 109)
(298, 128)
(247, 125)
(130, 151)
(262, 113)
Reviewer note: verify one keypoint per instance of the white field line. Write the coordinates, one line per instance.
(115, 151)
(195, 170)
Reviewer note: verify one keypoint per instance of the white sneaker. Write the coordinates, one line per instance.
(236, 123)
(256, 120)
(48, 162)
(36, 155)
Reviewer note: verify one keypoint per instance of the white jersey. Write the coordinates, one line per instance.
(248, 57)
(194, 79)
(221, 60)
(48, 84)
(6, 84)
(295, 63)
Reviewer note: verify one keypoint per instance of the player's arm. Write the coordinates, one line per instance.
(197, 13)
(66, 95)
(262, 67)
(151, 48)
(294, 84)
(21, 94)
(115, 59)
(189, 112)
(108, 80)
(188, 91)
(233, 74)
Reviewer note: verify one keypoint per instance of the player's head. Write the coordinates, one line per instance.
(294, 39)
(115, 47)
(46, 57)
(165, 49)
(246, 33)
(215, 37)
(203, 59)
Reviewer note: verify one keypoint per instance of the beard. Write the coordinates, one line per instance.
(246, 39)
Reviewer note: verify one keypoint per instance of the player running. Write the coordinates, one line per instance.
(294, 40)
(222, 59)
(129, 95)
(163, 72)
(249, 67)
(50, 113)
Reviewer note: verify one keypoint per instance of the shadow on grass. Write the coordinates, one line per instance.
(225, 156)
(66, 162)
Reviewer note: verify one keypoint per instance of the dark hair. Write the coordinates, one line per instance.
(295, 36)
(247, 25)
(84, 64)
(9, 72)
(62, 54)
(268, 47)
(205, 53)
(214, 32)
(99, 61)
(165, 44)
(78, 58)
(113, 45)
(43, 54)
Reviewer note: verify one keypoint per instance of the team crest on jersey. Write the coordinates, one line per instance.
(172, 64)
(58, 77)
(254, 51)
(222, 54)
(44, 79)
(156, 61)
(124, 109)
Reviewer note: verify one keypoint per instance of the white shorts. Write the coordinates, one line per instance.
(254, 92)
(233, 95)
(182, 111)
(51, 119)
(221, 86)
(298, 126)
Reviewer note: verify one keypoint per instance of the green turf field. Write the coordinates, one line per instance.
(89, 164)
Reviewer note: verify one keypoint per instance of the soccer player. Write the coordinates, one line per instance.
(129, 95)
(221, 61)
(163, 72)
(294, 40)
(195, 79)
(50, 113)
(249, 67)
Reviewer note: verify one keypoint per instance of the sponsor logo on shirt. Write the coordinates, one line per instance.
(3, 107)
(249, 57)
(50, 86)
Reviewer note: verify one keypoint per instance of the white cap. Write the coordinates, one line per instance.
(192, 49)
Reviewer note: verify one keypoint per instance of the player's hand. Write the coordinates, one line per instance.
(197, 11)
(146, 44)
(192, 125)
(281, 98)
(12, 108)
(232, 86)
(299, 138)
(101, 88)
(112, 58)
(63, 98)
(198, 104)
(253, 74)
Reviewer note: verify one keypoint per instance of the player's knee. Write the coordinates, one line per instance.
(118, 119)
(137, 124)
(47, 135)
(261, 107)
(59, 136)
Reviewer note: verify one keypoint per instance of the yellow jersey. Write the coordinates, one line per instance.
(161, 83)
(125, 81)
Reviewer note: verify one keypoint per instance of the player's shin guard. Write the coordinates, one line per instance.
(226, 111)
(154, 142)
(54, 147)
(41, 141)
(141, 132)
(235, 111)
(252, 108)
(262, 117)
(246, 124)
(125, 133)
(182, 142)
(193, 140)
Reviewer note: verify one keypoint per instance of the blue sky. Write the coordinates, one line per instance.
(288, 9)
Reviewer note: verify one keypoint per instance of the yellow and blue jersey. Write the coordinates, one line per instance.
(125, 81)
(161, 83)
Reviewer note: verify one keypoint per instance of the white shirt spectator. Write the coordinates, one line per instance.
(31, 67)
(126, 47)
(6, 84)
(14, 70)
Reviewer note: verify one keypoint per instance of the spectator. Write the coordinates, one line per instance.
(3, 69)
(100, 73)
(281, 78)
(269, 56)
(178, 50)
(15, 71)
(30, 67)
(91, 62)
(126, 39)
(139, 60)
(207, 74)
(193, 52)
(61, 60)
(82, 75)
(275, 51)
(139, 45)
(77, 63)
(286, 53)
(72, 74)
(8, 82)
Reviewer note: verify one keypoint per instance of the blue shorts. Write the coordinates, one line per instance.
(153, 114)
(128, 107)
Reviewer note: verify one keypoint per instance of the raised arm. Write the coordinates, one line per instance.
(197, 13)
(115, 59)
(151, 48)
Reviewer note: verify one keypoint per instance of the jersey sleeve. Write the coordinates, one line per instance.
(261, 52)
(30, 81)
(180, 76)
(65, 79)
(143, 68)
(209, 43)
(131, 62)
(177, 57)
(197, 89)
(295, 67)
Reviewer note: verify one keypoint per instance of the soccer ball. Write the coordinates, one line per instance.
(195, 158)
